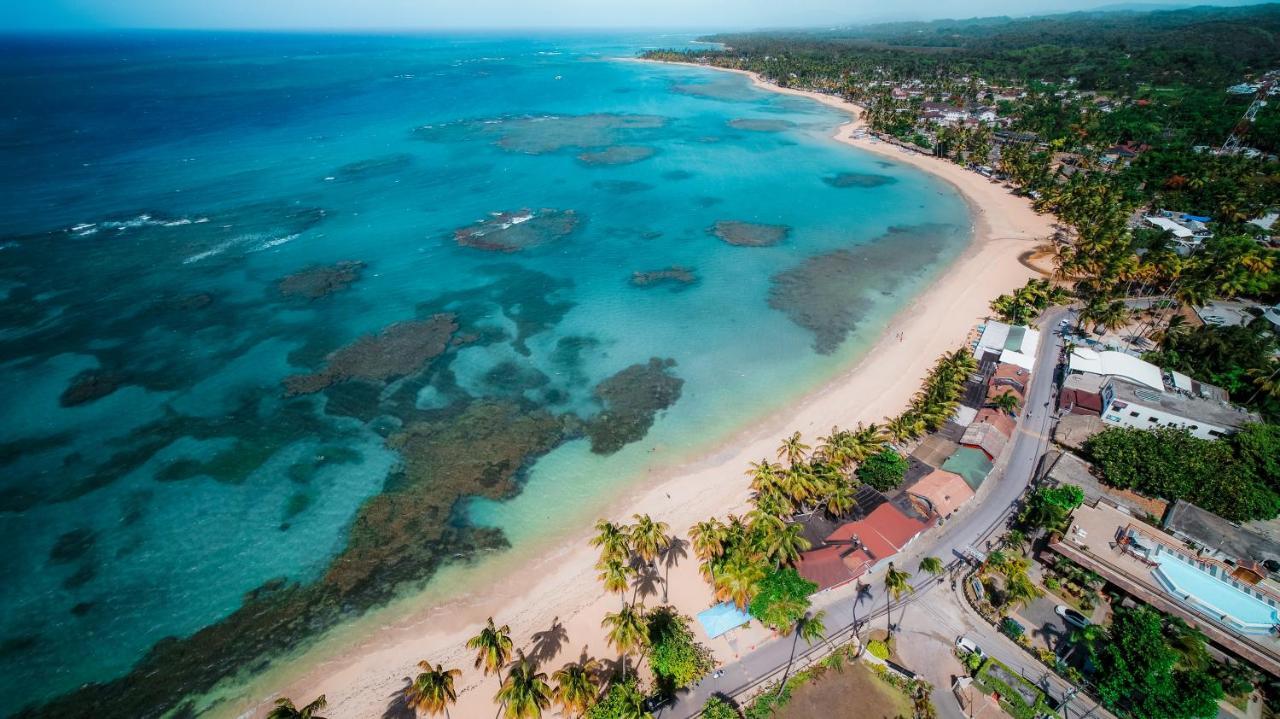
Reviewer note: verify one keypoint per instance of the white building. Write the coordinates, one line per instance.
(1115, 364)
(1014, 344)
(1127, 404)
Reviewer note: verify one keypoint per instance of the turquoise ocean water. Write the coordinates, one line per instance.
(288, 320)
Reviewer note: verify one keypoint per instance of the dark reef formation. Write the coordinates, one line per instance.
(858, 179)
(89, 386)
(828, 294)
(399, 350)
(759, 125)
(749, 234)
(318, 281)
(675, 275)
(518, 230)
(374, 167)
(617, 155)
(548, 134)
(632, 399)
(621, 187)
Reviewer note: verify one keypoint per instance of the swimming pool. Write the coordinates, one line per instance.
(1212, 596)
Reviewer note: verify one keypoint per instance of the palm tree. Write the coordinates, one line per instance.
(841, 500)
(738, 579)
(616, 576)
(525, 692)
(904, 428)
(576, 688)
(1005, 402)
(810, 629)
(626, 631)
(432, 691)
(708, 539)
(613, 541)
(493, 648)
(785, 545)
(648, 538)
(932, 565)
(895, 582)
(284, 709)
(793, 449)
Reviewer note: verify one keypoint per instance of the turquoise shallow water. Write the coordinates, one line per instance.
(165, 192)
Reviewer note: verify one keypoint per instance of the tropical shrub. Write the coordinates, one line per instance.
(623, 700)
(878, 649)
(676, 659)
(1049, 507)
(884, 470)
(782, 599)
(1141, 676)
(717, 708)
(1172, 464)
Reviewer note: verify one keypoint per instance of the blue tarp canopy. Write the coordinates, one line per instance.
(721, 618)
(1197, 218)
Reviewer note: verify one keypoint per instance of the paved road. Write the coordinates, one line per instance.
(980, 520)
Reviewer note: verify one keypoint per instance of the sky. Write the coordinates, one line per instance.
(27, 15)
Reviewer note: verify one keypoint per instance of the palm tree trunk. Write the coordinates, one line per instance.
(888, 613)
(783, 684)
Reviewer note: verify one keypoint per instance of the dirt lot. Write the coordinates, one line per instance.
(855, 693)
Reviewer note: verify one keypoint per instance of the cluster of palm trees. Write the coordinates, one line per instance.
(1028, 301)
(937, 400)
(1012, 568)
(1105, 266)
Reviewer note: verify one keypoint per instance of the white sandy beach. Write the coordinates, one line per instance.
(560, 586)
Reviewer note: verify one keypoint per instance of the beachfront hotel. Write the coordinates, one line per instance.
(1228, 596)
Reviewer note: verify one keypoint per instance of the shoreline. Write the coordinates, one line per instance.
(559, 583)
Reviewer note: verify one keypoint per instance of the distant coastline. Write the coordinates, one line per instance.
(560, 586)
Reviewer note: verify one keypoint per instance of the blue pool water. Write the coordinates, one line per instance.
(1214, 597)
(231, 400)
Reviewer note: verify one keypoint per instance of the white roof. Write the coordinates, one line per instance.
(1116, 364)
(1165, 223)
(1182, 382)
(1023, 360)
(1004, 338)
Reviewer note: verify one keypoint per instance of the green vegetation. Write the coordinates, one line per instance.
(937, 400)
(1241, 360)
(1027, 302)
(1234, 477)
(1019, 697)
(1140, 675)
(285, 709)
(878, 649)
(783, 598)
(717, 708)
(676, 659)
(622, 700)
(883, 470)
(1049, 507)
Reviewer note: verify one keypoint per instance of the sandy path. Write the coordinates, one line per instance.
(560, 585)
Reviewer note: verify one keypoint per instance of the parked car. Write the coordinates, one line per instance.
(969, 646)
(1072, 617)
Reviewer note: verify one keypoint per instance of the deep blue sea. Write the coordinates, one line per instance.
(324, 311)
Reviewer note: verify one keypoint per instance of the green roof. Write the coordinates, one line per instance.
(1013, 341)
(971, 464)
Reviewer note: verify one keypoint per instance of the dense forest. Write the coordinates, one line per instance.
(1205, 47)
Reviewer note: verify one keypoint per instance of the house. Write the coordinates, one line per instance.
(1082, 394)
(1124, 153)
(1128, 404)
(1008, 374)
(943, 113)
(940, 493)
(1109, 363)
(985, 114)
(856, 548)
(1218, 537)
(1188, 230)
(986, 437)
(1009, 344)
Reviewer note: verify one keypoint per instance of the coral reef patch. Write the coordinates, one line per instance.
(401, 349)
(632, 399)
(312, 283)
(518, 230)
(749, 234)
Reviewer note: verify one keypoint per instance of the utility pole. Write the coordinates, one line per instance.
(1232, 145)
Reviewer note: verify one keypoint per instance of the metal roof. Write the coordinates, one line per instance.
(1116, 364)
